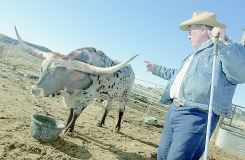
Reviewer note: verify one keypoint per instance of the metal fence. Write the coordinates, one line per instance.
(231, 131)
(5, 50)
(237, 121)
(147, 94)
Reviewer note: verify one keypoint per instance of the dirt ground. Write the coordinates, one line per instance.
(137, 141)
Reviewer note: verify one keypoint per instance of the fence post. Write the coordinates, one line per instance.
(233, 115)
(243, 38)
(216, 131)
(152, 97)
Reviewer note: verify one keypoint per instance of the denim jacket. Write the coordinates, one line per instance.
(196, 85)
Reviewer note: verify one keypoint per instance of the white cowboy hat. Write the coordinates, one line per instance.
(200, 17)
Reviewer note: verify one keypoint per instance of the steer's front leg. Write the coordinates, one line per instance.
(71, 121)
(70, 116)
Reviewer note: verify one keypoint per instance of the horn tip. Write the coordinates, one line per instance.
(15, 28)
(136, 55)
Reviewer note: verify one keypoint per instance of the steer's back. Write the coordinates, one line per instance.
(117, 84)
(114, 85)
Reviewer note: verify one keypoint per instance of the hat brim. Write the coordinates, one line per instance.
(186, 24)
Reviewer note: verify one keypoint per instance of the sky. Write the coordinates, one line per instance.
(120, 29)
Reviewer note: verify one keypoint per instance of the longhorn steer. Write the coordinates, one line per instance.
(81, 76)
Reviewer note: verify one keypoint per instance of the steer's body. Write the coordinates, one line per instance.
(79, 88)
(105, 86)
(81, 76)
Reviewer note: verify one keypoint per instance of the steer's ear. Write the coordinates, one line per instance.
(76, 76)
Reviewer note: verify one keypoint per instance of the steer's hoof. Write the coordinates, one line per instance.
(64, 131)
(116, 130)
(67, 131)
(99, 124)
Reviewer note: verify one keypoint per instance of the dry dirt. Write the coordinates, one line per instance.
(137, 141)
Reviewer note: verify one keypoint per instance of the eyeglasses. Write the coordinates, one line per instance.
(195, 27)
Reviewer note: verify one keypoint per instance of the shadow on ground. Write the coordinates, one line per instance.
(70, 149)
(120, 154)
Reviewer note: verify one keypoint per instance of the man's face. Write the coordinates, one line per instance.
(197, 35)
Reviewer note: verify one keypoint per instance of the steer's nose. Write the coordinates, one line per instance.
(37, 91)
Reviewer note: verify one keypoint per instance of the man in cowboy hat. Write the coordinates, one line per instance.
(188, 89)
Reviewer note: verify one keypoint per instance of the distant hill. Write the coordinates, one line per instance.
(8, 40)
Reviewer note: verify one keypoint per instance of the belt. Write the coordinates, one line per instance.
(178, 103)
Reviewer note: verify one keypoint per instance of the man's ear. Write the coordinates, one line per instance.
(210, 35)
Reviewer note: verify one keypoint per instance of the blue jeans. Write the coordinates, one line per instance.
(184, 133)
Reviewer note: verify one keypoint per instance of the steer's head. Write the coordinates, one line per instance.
(61, 73)
(56, 76)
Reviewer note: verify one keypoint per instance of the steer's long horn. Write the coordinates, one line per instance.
(33, 51)
(87, 68)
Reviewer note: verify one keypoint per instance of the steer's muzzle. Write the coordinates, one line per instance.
(37, 91)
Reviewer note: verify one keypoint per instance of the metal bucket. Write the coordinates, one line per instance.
(149, 120)
(45, 128)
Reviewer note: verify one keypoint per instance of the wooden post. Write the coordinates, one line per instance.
(220, 122)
